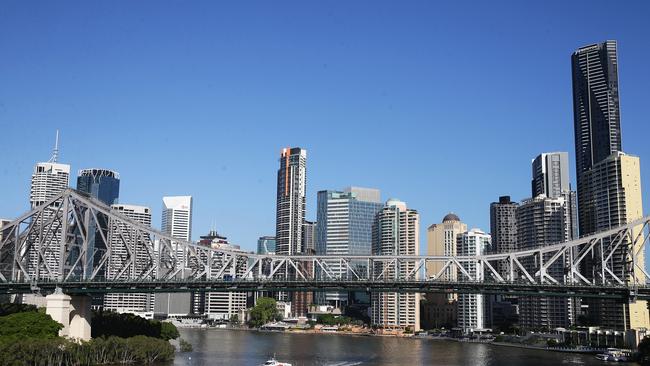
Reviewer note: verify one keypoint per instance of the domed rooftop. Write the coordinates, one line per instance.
(450, 217)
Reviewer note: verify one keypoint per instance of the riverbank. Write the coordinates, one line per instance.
(583, 350)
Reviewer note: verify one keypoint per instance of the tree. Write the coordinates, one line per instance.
(185, 346)
(263, 312)
(234, 319)
(30, 324)
(168, 331)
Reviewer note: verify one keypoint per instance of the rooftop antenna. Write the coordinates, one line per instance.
(55, 152)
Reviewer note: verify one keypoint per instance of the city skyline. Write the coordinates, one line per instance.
(226, 176)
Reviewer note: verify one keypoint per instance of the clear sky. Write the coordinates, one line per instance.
(440, 104)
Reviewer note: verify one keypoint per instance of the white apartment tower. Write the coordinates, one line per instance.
(124, 242)
(471, 307)
(396, 232)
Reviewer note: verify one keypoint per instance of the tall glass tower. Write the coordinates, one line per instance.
(102, 184)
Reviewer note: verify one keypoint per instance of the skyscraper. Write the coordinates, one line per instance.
(440, 310)
(503, 228)
(596, 109)
(102, 184)
(291, 204)
(542, 221)
(309, 236)
(396, 232)
(176, 222)
(49, 179)
(344, 227)
(609, 192)
(550, 174)
(472, 308)
(125, 243)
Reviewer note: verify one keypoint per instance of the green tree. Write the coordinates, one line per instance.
(263, 312)
(234, 319)
(29, 325)
(168, 331)
(185, 346)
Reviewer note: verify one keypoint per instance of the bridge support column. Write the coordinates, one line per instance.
(71, 311)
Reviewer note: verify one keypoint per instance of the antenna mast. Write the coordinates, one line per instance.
(55, 152)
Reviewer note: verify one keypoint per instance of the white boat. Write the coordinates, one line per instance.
(273, 362)
(614, 354)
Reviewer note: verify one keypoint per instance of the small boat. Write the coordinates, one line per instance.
(273, 362)
(614, 354)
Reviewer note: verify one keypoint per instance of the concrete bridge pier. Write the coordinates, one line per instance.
(73, 312)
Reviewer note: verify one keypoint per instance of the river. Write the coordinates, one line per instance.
(233, 347)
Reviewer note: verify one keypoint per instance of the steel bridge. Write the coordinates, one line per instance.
(74, 244)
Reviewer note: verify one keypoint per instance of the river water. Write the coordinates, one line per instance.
(233, 347)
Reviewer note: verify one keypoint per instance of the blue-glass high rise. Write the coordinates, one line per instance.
(102, 184)
(344, 227)
(266, 245)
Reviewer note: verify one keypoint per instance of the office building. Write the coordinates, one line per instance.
(550, 174)
(309, 236)
(441, 240)
(609, 192)
(49, 179)
(124, 244)
(344, 227)
(176, 222)
(396, 233)
(266, 245)
(102, 184)
(472, 308)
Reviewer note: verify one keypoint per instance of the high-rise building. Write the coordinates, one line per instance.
(344, 227)
(542, 221)
(125, 243)
(596, 109)
(291, 203)
(441, 240)
(49, 179)
(309, 236)
(396, 232)
(176, 222)
(609, 192)
(472, 308)
(102, 184)
(439, 310)
(266, 245)
(503, 229)
(614, 186)
(551, 174)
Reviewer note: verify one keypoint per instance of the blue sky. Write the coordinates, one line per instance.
(442, 105)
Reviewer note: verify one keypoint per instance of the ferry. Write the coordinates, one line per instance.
(614, 354)
(273, 362)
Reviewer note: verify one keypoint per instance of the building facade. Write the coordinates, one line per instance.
(472, 308)
(344, 227)
(503, 229)
(291, 203)
(266, 245)
(608, 194)
(396, 232)
(176, 222)
(102, 184)
(550, 174)
(542, 221)
(125, 243)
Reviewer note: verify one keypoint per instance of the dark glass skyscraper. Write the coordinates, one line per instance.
(596, 113)
(102, 184)
(291, 203)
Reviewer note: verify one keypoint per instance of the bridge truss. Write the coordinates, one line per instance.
(79, 244)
